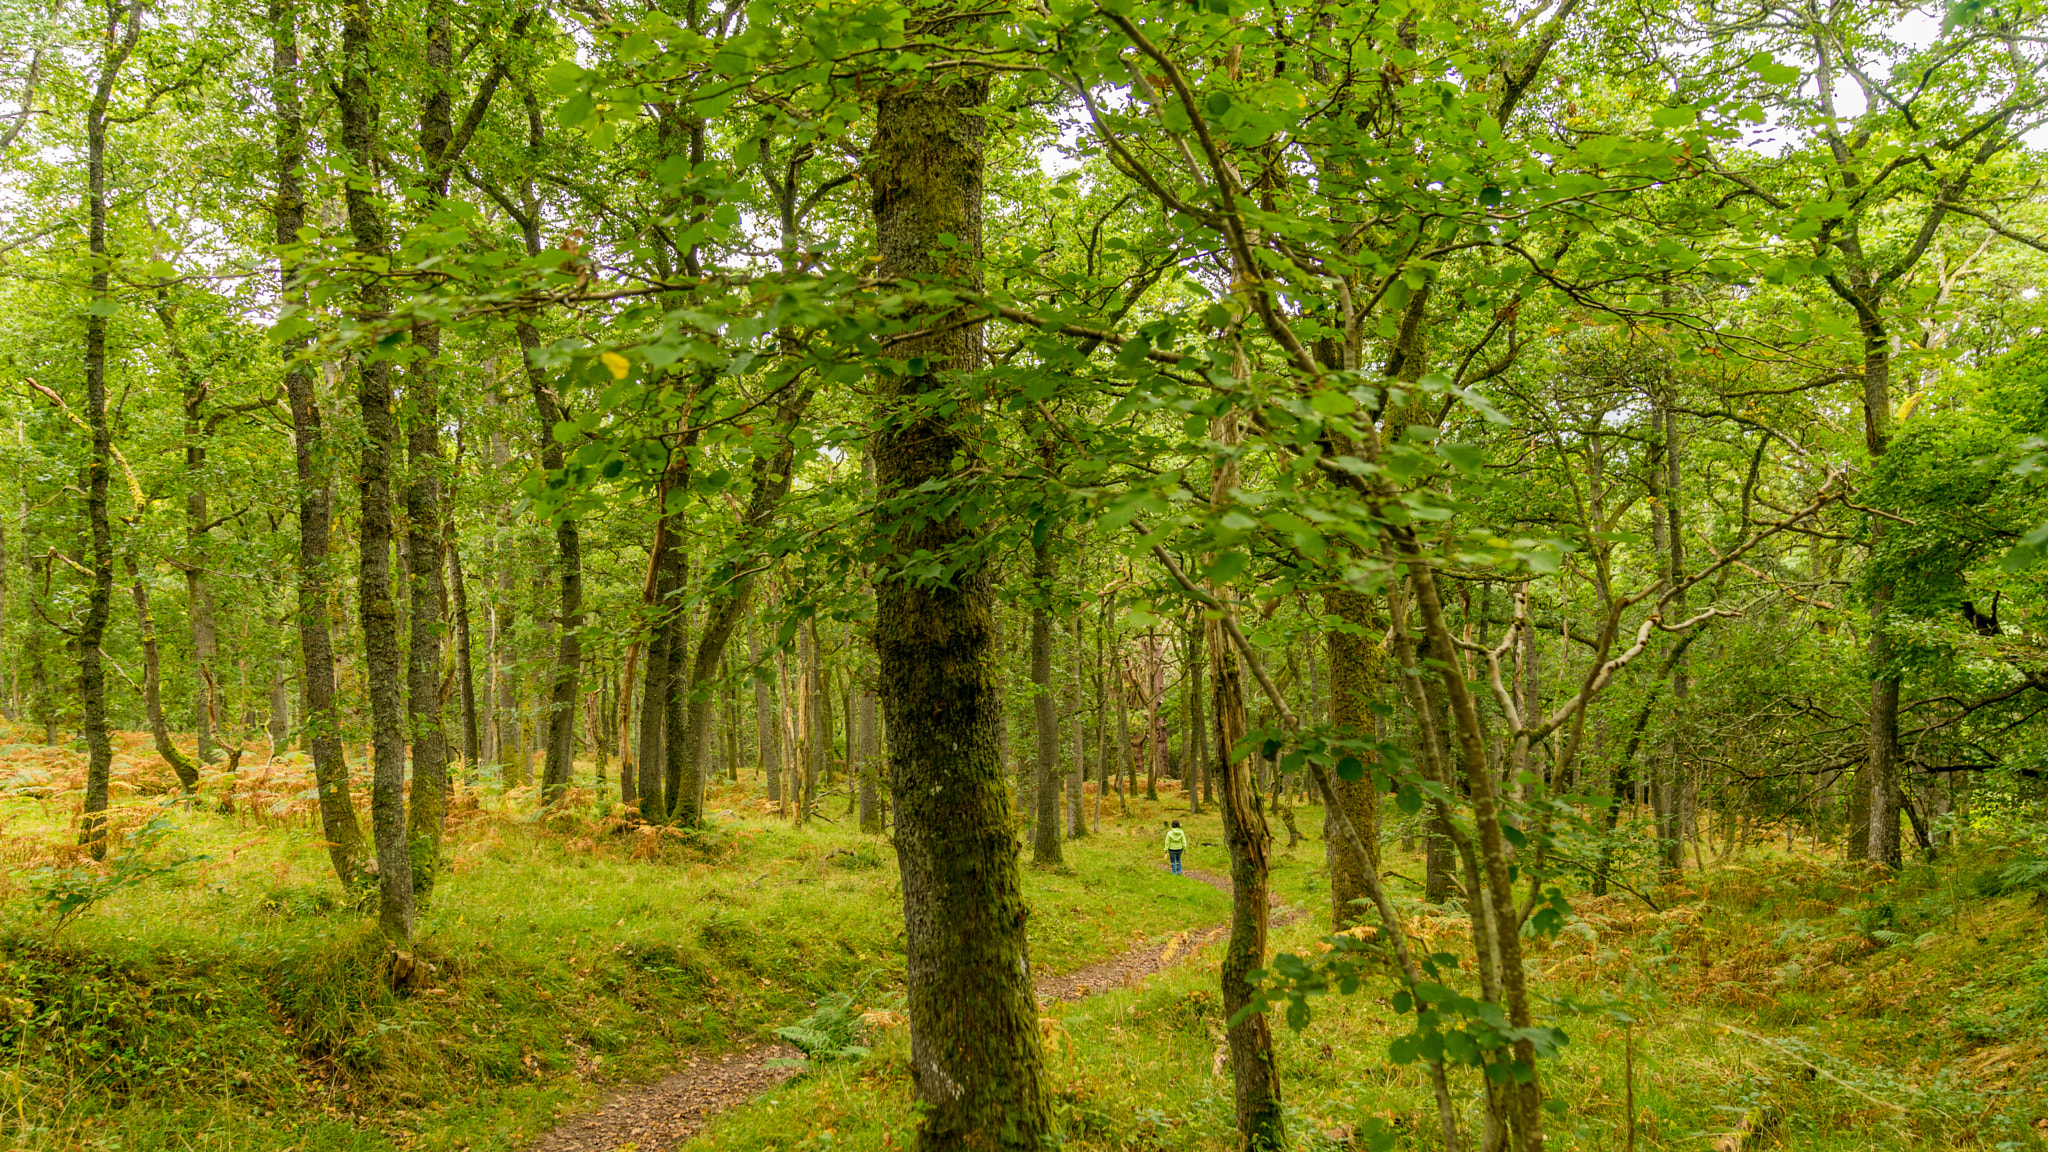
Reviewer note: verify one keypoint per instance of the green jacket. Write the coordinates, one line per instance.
(1176, 839)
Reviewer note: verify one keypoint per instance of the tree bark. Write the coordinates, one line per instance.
(1261, 1126)
(322, 719)
(976, 1054)
(1077, 779)
(728, 589)
(359, 130)
(152, 694)
(1197, 770)
(768, 732)
(1355, 673)
(654, 677)
(92, 681)
(561, 754)
(465, 653)
(1045, 838)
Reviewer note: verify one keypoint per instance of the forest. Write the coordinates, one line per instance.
(984, 575)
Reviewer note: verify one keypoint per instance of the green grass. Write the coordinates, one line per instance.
(237, 1003)
(240, 1002)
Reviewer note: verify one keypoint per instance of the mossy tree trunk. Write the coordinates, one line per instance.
(976, 1054)
(1045, 782)
(1355, 671)
(382, 674)
(122, 27)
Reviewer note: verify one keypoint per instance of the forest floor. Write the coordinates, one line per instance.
(235, 1000)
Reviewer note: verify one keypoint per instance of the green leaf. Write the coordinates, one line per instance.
(1227, 566)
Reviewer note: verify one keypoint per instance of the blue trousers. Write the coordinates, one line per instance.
(1173, 857)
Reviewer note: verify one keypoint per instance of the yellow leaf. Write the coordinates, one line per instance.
(617, 363)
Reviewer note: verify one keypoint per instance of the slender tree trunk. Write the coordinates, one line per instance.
(976, 1055)
(322, 719)
(1197, 770)
(873, 815)
(729, 588)
(1261, 1126)
(768, 730)
(119, 43)
(1877, 779)
(359, 130)
(1670, 783)
(1045, 839)
(465, 654)
(426, 589)
(675, 704)
(654, 679)
(152, 694)
(1077, 779)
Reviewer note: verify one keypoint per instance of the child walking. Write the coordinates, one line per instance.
(1176, 843)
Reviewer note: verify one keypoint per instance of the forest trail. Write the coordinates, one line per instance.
(664, 1115)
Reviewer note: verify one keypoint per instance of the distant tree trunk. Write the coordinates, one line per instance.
(729, 589)
(382, 673)
(465, 653)
(322, 719)
(976, 1055)
(152, 696)
(1121, 771)
(1355, 670)
(873, 816)
(814, 731)
(675, 703)
(768, 730)
(654, 678)
(280, 725)
(1196, 775)
(1045, 838)
(504, 633)
(1077, 780)
(561, 755)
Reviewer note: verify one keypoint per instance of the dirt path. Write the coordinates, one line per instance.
(660, 1116)
(664, 1115)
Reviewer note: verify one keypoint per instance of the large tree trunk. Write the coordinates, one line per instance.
(1045, 783)
(976, 1054)
(322, 719)
(382, 673)
(92, 680)
(1355, 670)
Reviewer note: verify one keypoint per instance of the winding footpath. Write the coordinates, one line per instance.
(664, 1115)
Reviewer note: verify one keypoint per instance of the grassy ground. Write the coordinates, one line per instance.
(237, 1003)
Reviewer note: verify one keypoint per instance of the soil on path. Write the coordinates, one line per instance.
(1133, 966)
(662, 1116)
